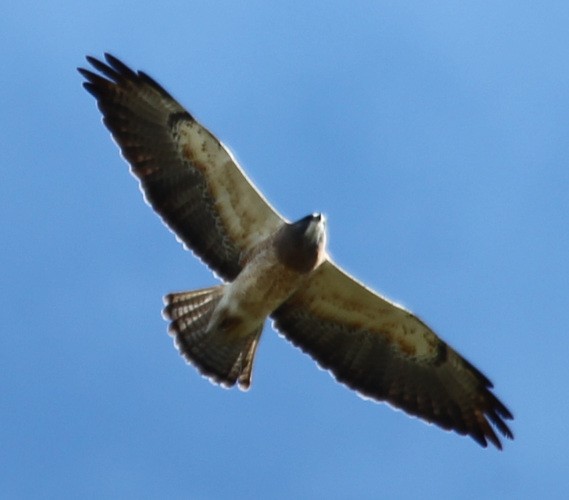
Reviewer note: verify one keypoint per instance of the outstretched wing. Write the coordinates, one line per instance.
(386, 353)
(185, 172)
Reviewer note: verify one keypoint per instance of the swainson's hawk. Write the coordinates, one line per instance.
(274, 268)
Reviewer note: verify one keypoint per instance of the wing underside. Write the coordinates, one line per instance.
(386, 353)
(185, 172)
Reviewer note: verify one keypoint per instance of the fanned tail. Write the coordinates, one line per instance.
(218, 353)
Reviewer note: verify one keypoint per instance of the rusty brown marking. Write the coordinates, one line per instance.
(146, 170)
(407, 347)
(187, 152)
(190, 155)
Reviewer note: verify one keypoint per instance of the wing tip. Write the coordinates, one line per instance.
(490, 419)
(119, 73)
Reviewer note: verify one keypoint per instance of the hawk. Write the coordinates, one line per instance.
(273, 268)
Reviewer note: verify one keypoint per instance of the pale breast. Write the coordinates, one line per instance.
(262, 286)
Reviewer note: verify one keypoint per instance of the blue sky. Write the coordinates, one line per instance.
(434, 137)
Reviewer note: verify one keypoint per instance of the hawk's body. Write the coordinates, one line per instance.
(274, 268)
(231, 316)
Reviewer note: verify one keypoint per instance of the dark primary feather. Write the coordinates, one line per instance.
(143, 119)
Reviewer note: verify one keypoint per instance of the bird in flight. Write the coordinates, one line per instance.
(274, 268)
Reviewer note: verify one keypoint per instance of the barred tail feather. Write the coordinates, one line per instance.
(222, 357)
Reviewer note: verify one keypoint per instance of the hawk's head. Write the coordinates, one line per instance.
(301, 245)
